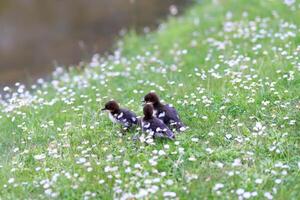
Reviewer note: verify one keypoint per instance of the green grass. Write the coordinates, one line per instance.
(238, 91)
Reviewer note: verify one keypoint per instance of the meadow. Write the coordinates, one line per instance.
(231, 68)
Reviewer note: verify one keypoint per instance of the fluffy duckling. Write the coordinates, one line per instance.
(154, 126)
(165, 112)
(120, 115)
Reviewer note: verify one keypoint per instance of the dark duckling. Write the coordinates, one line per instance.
(165, 112)
(155, 126)
(119, 115)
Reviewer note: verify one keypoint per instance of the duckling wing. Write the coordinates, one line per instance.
(129, 117)
(173, 118)
(161, 130)
(171, 113)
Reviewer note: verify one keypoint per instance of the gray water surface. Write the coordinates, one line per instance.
(36, 35)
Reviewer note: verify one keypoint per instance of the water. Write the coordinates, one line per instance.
(36, 35)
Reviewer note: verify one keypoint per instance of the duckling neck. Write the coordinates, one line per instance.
(148, 117)
(115, 112)
(157, 105)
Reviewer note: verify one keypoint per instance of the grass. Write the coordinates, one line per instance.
(231, 68)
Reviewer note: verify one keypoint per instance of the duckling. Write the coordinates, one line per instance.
(154, 126)
(119, 115)
(165, 112)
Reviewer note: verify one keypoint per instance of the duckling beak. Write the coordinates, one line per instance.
(103, 109)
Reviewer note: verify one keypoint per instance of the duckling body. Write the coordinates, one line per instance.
(124, 117)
